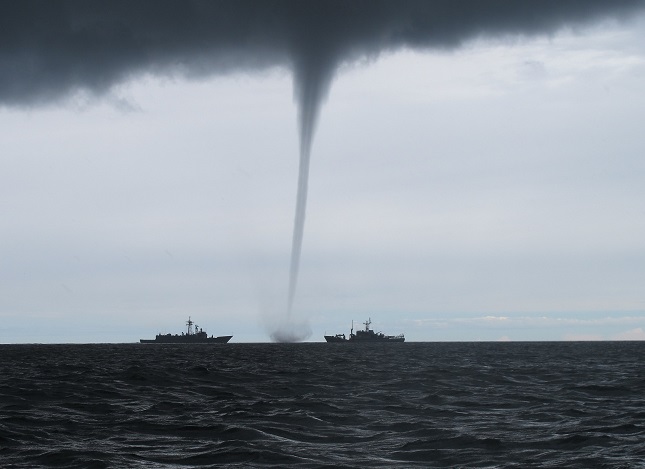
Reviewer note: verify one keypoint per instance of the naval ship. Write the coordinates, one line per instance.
(367, 335)
(192, 336)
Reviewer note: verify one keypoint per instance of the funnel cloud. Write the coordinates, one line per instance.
(53, 50)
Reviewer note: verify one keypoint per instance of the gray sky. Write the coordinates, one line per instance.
(473, 188)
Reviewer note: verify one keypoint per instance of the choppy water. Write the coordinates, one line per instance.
(323, 405)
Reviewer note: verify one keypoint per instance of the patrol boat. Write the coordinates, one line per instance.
(367, 335)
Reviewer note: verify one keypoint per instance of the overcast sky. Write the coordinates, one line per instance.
(486, 188)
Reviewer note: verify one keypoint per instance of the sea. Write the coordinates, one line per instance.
(314, 405)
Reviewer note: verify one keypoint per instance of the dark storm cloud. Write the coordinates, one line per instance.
(49, 49)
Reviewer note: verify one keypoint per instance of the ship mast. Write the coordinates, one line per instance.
(189, 323)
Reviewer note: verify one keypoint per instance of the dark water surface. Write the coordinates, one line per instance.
(323, 405)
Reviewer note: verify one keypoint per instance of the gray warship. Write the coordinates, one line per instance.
(192, 336)
(366, 335)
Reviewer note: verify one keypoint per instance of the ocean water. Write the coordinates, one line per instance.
(323, 405)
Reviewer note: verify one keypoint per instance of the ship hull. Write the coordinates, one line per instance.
(379, 341)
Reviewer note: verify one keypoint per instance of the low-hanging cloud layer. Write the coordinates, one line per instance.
(51, 50)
